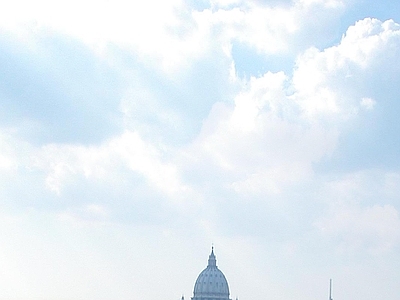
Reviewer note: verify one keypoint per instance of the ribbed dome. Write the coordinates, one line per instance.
(211, 283)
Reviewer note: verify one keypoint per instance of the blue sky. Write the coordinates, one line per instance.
(135, 135)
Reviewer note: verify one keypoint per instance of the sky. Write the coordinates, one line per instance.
(136, 134)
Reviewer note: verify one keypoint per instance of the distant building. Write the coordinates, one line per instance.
(211, 284)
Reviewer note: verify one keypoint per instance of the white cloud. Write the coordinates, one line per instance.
(250, 175)
(146, 159)
(151, 28)
(87, 215)
(323, 80)
(7, 162)
(375, 229)
(275, 133)
(367, 103)
(358, 219)
(262, 141)
(165, 34)
(326, 3)
(63, 163)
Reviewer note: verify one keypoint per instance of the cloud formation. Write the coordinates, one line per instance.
(137, 134)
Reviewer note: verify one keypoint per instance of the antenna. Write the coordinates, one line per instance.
(330, 289)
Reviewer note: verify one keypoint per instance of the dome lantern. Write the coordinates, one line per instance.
(212, 261)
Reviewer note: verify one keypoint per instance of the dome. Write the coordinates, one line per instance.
(211, 283)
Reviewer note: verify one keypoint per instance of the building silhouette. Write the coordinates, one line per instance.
(211, 283)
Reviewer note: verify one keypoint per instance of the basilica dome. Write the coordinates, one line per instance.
(211, 284)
